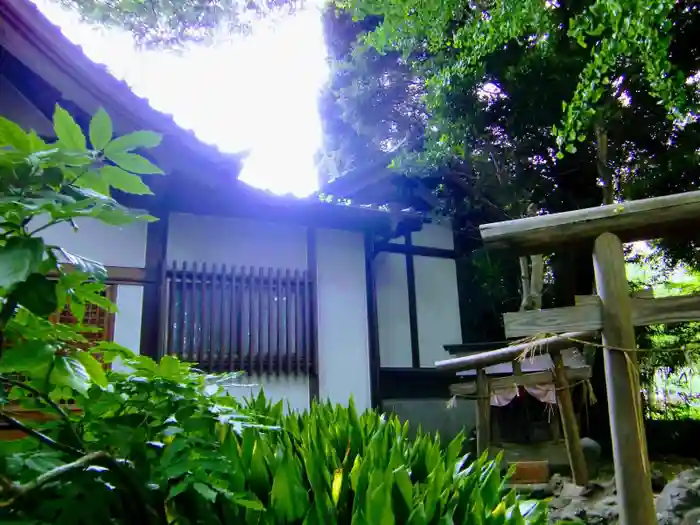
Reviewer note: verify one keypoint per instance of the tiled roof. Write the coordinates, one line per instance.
(27, 20)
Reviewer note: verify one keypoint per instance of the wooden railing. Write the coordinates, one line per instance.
(259, 320)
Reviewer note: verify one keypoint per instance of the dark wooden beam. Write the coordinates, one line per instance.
(412, 304)
(415, 383)
(156, 249)
(312, 266)
(372, 323)
(421, 251)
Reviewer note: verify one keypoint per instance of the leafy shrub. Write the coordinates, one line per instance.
(166, 444)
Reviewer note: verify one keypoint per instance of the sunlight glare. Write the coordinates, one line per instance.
(257, 93)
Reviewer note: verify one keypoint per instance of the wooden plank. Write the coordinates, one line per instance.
(171, 344)
(504, 355)
(632, 475)
(181, 346)
(248, 323)
(572, 438)
(260, 329)
(233, 321)
(468, 388)
(270, 325)
(483, 412)
(589, 317)
(278, 292)
(631, 221)
(213, 315)
(199, 311)
(288, 319)
(222, 318)
(298, 330)
(527, 323)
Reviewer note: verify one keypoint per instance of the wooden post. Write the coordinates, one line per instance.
(629, 452)
(483, 412)
(577, 461)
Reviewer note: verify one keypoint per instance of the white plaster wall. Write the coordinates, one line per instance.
(437, 305)
(241, 242)
(392, 310)
(437, 301)
(342, 318)
(14, 106)
(292, 391)
(127, 322)
(110, 245)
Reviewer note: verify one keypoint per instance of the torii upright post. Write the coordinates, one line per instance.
(629, 446)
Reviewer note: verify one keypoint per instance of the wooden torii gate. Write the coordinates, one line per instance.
(613, 311)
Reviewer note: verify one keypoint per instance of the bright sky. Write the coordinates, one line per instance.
(259, 93)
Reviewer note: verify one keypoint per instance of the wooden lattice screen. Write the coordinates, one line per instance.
(259, 320)
(94, 317)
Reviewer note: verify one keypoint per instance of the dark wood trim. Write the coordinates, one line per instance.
(115, 274)
(152, 336)
(416, 383)
(312, 317)
(412, 249)
(372, 323)
(412, 303)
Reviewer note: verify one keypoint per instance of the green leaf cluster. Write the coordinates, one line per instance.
(44, 184)
(185, 452)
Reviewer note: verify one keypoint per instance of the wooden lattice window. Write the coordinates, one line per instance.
(94, 317)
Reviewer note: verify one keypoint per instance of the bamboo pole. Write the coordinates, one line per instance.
(577, 461)
(629, 451)
(503, 355)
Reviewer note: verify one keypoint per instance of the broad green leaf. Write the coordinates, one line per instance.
(132, 141)
(249, 501)
(68, 131)
(19, 258)
(169, 367)
(26, 356)
(93, 269)
(93, 180)
(100, 129)
(70, 372)
(124, 181)
(206, 491)
(178, 488)
(134, 163)
(93, 368)
(13, 135)
(37, 294)
(288, 498)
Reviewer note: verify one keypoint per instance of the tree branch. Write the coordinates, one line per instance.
(43, 438)
(46, 400)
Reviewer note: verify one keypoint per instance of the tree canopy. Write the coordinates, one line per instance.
(176, 23)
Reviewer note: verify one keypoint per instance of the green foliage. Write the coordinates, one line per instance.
(176, 23)
(44, 184)
(191, 454)
(462, 39)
